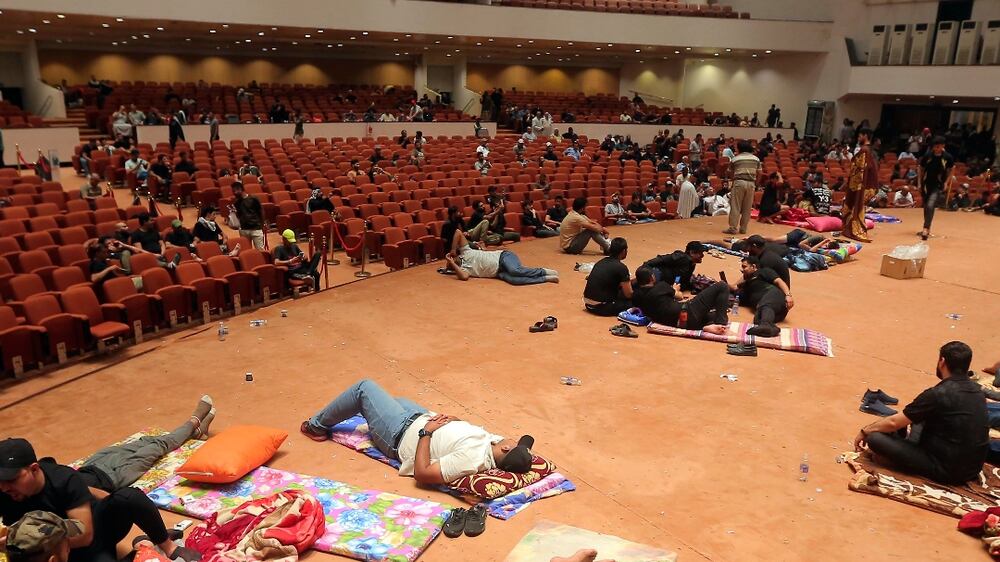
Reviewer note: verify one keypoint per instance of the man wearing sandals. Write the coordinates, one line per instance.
(468, 262)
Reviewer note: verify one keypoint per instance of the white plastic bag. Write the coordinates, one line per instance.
(914, 252)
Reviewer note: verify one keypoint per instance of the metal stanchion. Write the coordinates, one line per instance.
(364, 255)
(326, 269)
(329, 258)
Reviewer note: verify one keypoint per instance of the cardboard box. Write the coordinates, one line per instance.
(903, 269)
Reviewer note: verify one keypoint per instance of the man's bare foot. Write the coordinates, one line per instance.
(993, 369)
(582, 555)
(236, 251)
(715, 329)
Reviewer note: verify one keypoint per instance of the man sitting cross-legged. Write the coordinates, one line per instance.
(432, 448)
(707, 311)
(467, 262)
(767, 294)
(949, 433)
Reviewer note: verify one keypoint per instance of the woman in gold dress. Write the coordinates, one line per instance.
(861, 185)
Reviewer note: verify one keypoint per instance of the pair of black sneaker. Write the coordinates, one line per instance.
(472, 522)
(877, 403)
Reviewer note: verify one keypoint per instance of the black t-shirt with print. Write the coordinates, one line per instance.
(935, 169)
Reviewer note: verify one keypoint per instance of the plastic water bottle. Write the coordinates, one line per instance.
(804, 468)
(222, 331)
(570, 381)
(736, 307)
(258, 323)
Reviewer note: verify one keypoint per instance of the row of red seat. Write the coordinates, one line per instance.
(648, 7)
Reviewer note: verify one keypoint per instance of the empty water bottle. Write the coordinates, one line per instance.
(804, 468)
(258, 323)
(570, 381)
(222, 331)
(736, 307)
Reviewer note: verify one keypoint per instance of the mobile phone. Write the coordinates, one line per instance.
(722, 275)
(183, 525)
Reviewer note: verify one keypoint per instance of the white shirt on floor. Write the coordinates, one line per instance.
(459, 447)
(481, 263)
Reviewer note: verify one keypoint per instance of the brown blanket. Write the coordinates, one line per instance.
(956, 501)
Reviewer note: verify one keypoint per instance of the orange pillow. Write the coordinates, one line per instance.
(230, 455)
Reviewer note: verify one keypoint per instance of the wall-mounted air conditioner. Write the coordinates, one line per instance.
(991, 43)
(922, 43)
(945, 42)
(899, 43)
(878, 47)
(968, 43)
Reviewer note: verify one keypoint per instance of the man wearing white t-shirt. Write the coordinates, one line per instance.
(468, 262)
(432, 448)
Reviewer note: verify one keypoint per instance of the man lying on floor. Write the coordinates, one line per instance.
(764, 291)
(467, 262)
(659, 302)
(770, 253)
(432, 448)
(28, 484)
(949, 433)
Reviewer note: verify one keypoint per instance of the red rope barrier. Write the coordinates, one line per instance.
(344, 244)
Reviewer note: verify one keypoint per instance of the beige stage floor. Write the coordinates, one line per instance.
(663, 451)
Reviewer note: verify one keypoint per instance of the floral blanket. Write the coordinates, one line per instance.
(956, 501)
(547, 539)
(791, 339)
(879, 217)
(353, 434)
(163, 469)
(361, 524)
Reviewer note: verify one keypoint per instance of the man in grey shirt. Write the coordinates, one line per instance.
(744, 170)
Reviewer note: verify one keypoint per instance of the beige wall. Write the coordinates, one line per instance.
(656, 81)
(77, 67)
(542, 78)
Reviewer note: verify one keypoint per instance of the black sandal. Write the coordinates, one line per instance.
(475, 520)
(624, 331)
(552, 320)
(541, 327)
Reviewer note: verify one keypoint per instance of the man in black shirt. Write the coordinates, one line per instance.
(250, 214)
(557, 212)
(100, 267)
(147, 237)
(764, 291)
(185, 165)
(608, 287)
(708, 311)
(451, 226)
(949, 432)
(27, 484)
(163, 173)
(180, 236)
(668, 267)
(319, 202)
(771, 255)
(933, 177)
(289, 255)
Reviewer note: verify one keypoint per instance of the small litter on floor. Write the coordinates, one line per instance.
(729, 377)
(584, 267)
(954, 316)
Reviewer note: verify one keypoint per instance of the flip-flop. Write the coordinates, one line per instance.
(541, 327)
(445, 271)
(475, 521)
(624, 331)
(552, 321)
(455, 525)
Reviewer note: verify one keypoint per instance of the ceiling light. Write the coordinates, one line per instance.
(702, 60)
(293, 43)
(664, 58)
(531, 40)
(364, 33)
(559, 46)
(46, 21)
(260, 34)
(159, 29)
(247, 41)
(404, 54)
(408, 35)
(105, 25)
(677, 52)
(135, 37)
(397, 54)
(729, 50)
(186, 39)
(575, 55)
(899, 99)
(538, 54)
(479, 44)
(715, 54)
(518, 46)
(994, 99)
(19, 32)
(115, 43)
(58, 40)
(767, 52)
(426, 48)
(640, 62)
(60, 16)
(449, 54)
(308, 36)
(119, 20)
(547, 53)
(490, 40)
(638, 50)
(954, 101)
(458, 50)
(339, 45)
(531, 58)
(451, 37)
(353, 38)
(274, 29)
(263, 48)
(395, 39)
(32, 30)
(211, 31)
(611, 44)
(932, 97)
(598, 48)
(225, 26)
(570, 44)
(329, 45)
(145, 36)
(687, 48)
(754, 55)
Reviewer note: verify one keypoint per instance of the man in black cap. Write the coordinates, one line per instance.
(668, 267)
(41, 536)
(432, 448)
(27, 484)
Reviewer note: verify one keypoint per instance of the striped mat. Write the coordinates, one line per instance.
(800, 340)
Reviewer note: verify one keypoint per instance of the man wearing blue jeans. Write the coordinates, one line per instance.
(432, 448)
(468, 262)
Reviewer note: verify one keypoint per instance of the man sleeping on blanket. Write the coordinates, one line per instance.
(432, 448)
